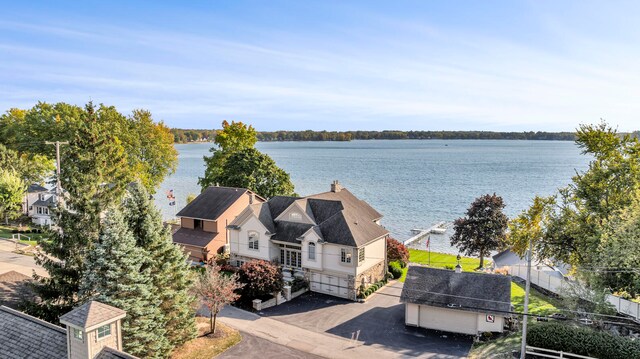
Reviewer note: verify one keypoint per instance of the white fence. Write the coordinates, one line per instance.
(554, 354)
(556, 284)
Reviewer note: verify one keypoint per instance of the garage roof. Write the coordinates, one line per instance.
(476, 292)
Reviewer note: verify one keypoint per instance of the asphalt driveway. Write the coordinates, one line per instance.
(254, 347)
(378, 322)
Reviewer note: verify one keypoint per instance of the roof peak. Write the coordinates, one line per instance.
(92, 313)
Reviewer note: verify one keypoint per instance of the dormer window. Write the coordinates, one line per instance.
(295, 216)
(104, 331)
(254, 240)
(77, 333)
(42, 196)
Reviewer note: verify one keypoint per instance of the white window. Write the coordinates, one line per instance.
(361, 255)
(46, 211)
(295, 216)
(312, 251)
(254, 240)
(42, 196)
(345, 255)
(104, 331)
(290, 258)
(39, 210)
(77, 333)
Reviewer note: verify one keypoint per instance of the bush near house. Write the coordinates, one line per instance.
(365, 292)
(582, 341)
(261, 279)
(397, 252)
(395, 269)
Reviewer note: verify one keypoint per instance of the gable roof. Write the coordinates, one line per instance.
(476, 292)
(212, 202)
(339, 217)
(23, 336)
(90, 314)
(34, 188)
(49, 202)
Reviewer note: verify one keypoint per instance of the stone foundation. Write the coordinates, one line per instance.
(372, 275)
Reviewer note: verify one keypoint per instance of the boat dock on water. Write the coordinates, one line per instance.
(439, 228)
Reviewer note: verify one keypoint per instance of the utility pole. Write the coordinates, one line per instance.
(58, 184)
(523, 348)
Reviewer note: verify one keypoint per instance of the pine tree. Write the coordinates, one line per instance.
(167, 264)
(93, 177)
(115, 275)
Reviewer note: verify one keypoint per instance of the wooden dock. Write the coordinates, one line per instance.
(421, 233)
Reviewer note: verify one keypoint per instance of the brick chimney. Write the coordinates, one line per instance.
(336, 186)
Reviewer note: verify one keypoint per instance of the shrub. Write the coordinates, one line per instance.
(397, 252)
(448, 266)
(395, 270)
(582, 341)
(503, 271)
(298, 284)
(261, 279)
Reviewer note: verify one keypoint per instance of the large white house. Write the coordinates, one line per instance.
(38, 203)
(332, 239)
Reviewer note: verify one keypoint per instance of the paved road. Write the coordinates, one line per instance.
(22, 264)
(254, 347)
(379, 323)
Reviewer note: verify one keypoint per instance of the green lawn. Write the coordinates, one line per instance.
(440, 260)
(5, 232)
(539, 304)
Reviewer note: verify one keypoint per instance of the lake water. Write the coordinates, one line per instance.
(413, 183)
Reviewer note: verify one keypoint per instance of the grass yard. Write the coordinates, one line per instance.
(208, 346)
(496, 349)
(539, 304)
(440, 260)
(5, 232)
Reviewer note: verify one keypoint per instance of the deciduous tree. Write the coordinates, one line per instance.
(483, 229)
(397, 251)
(215, 290)
(12, 189)
(260, 279)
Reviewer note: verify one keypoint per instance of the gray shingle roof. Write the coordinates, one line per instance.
(290, 231)
(23, 336)
(476, 292)
(34, 187)
(13, 287)
(110, 353)
(49, 202)
(212, 202)
(193, 237)
(278, 204)
(90, 314)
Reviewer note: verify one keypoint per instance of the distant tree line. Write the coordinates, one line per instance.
(184, 136)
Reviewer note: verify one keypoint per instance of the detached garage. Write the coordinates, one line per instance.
(456, 301)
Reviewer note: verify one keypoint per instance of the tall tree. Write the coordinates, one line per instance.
(483, 229)
(216, 290)
(234, 137)
(31, 168)
(12, 190)
(256, 171)
(148, 146)
(93, 175)
(529, 226)
(167, 264)
(115, 275)
(235, 162)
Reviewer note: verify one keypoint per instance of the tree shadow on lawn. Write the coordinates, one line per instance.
(385, 327)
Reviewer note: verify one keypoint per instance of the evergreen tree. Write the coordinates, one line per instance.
(167, 264)
(93, 176)
(115, 275)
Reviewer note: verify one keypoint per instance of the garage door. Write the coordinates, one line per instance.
(329, 284)
(450, 320)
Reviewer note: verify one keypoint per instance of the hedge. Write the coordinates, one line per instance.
(395, 268)
(582, 341)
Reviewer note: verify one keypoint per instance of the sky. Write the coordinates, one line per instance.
(331, 65)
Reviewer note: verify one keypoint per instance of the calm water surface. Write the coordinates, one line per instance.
(413, 183)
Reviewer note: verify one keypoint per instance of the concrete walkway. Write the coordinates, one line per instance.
(324, 345)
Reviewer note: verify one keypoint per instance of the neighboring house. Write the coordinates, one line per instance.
(93, 330)
(38, 203)
(456, 301)
(507, 258)
(203, 222)
(332, 239)
(13, 288)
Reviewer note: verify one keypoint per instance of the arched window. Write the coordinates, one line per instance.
(312, 251)
(254, 240)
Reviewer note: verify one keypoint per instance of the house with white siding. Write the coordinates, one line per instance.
(38, 204)
(333, 239)
(456, 301)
